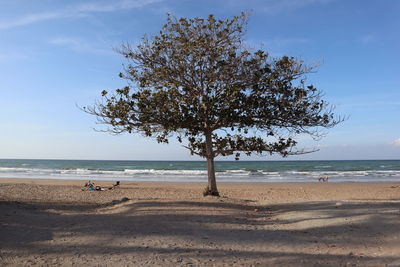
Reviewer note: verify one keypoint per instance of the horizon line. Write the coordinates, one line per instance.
(164, 160)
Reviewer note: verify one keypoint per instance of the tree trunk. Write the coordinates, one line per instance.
(212, 183)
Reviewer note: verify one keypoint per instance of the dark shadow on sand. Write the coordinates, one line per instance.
(245, 225)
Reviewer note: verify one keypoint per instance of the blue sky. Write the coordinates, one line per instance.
(55, 55)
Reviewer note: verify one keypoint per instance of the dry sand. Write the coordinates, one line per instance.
(54, 223)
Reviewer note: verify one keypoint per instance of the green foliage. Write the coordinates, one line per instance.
(197, 81)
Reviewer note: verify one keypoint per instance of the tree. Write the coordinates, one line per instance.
(198, 82)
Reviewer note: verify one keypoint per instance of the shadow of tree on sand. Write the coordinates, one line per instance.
(303, 234)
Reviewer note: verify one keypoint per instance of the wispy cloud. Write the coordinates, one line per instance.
(396, 142)
(272, 6)
(278, 42)
(276, 47)
(275, 6)
(29, 19)
(80, 10)
(110, 6)
(368, 39)
(370, 104)
(284, 42)
(12, 56)
(82, 45)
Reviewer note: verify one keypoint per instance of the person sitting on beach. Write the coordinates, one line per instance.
(89, 186)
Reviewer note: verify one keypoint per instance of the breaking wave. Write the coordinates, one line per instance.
(189, 175)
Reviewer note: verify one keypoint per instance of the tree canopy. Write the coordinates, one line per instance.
(197, 81)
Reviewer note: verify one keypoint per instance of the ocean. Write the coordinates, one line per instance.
(196, 171)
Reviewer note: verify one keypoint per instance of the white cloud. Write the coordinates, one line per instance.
(396, 142)
(81, 10)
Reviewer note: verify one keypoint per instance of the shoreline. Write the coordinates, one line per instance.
(222, 180)
(76, 181)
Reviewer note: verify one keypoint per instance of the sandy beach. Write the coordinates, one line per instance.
(55, 223)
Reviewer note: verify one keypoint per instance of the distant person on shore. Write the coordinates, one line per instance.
(323, 179)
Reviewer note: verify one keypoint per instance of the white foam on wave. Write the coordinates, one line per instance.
(238, 175)
(24, 170)
(164, 172)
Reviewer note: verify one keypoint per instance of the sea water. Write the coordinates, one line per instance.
(196, 171)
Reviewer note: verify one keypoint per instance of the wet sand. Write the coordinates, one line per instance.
(53, 222)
